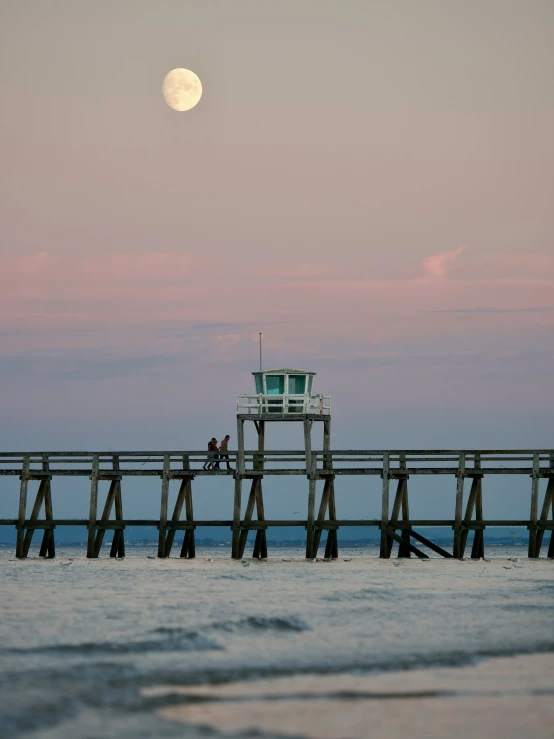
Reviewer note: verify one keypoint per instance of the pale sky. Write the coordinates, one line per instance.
(368, 183)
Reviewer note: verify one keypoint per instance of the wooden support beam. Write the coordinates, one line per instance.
(260, 542)
(384, 552)
(331, 547)
(255, 499)
(321, 513)
(310, 531)
(48, 546)
(478, 548)
(430, 544)
(258, 461)
(239, 473)
(550, 554)
(310, 472)
(43, 493)
(547, 503)
(404, 551)
(118, 543)
(184, 498)
(257, 547)
(176, 517)
(93, 507)
(105, 517)
(247, 517)
(334, 546)
(185, 491)
(34, 517)
(308, 445)
(261, 535)
(459, 506)
(189, 546)
(101, 529)
(19, 546)
(532, 553)
(327, 498)
(417, 552)
(188, 549)
(469, 513)
(328, 544)
(327, 458)
(260, 545)
(162, 530)
(235, 546)
(113, 492)
(396, 508)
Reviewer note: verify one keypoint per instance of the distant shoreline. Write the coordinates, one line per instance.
(283, 544)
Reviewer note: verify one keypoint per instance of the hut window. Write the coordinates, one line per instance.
(297, 384)
(259, 384)
(275, 384)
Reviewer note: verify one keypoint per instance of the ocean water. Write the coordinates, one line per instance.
(109, 648)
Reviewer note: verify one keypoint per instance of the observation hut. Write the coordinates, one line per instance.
(282, 395)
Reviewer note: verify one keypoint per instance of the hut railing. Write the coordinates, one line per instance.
(285, 403)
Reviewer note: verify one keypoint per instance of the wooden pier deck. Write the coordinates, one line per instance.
(394, 467)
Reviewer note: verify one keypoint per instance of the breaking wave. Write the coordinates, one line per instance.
(264, 623)
(176, 640)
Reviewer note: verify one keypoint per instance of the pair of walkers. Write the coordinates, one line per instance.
(217, 454)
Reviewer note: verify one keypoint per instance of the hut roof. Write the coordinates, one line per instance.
(284, 370)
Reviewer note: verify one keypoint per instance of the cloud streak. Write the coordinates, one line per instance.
(438, 265)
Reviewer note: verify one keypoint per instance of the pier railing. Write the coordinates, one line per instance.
(282, 462)
(393, 467)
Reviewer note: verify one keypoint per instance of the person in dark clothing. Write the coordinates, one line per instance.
(215, 465)
(223, 448)
(212, 448)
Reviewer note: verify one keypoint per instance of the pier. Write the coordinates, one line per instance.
(283, 396)
(465, 473)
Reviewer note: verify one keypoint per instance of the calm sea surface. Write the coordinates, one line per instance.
(84, 644)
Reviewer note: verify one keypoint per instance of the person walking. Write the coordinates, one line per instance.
(215, 463)
(223, 452)
(212, 448)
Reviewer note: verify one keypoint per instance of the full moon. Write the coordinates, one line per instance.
(181, 89)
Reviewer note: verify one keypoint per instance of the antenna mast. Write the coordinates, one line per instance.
(260, 352)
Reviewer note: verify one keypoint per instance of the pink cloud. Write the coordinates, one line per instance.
(48, 288)
(438, 264)
(119, 266)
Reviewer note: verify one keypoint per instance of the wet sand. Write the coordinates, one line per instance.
(509, 697)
